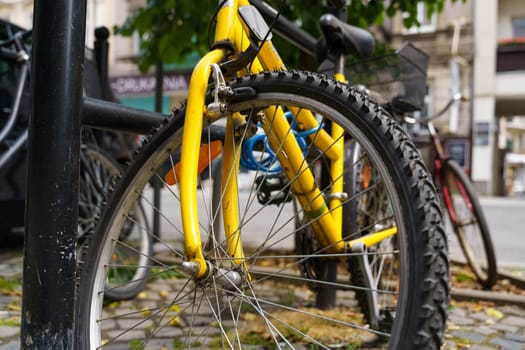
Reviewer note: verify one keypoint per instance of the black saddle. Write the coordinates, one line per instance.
(340, 37)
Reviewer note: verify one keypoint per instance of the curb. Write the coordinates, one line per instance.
(500, 298)
(514, 280)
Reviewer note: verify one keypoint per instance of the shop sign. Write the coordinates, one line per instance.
(145, 84)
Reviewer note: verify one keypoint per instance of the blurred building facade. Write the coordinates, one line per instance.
(447, 38)
(19, 12)
(502, 90)
(486, 134)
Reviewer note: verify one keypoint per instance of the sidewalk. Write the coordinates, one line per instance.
(472, 324)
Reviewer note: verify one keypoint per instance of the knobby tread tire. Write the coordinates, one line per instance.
(434, 292)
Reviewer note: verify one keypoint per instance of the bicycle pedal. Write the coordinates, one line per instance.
(272, 189)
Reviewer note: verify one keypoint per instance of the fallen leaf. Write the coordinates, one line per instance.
(146, 313)
(175, 321)
(249, 316)
(492, 312)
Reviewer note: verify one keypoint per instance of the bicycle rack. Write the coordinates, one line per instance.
(48, 302)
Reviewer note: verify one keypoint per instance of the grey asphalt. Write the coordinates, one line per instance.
(506, 220)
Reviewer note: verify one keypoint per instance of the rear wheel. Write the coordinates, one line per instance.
(131, 256)
(98, 172)
(269, 301)
(468, 222)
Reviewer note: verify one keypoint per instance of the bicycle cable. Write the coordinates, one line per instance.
(214, 18)
(257, 154)
(212, 21)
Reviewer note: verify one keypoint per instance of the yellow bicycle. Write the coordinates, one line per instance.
(255, 285)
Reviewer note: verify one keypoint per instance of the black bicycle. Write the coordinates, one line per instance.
(101, 158)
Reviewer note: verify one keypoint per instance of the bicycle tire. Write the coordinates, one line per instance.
(265, 310)
(98, 173)
(465, 211)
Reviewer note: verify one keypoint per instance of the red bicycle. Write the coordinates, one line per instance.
(399, 82)
(461, 203)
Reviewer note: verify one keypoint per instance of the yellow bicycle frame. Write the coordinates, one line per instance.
(326, 219)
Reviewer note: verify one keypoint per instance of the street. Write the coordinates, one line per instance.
(505, 217)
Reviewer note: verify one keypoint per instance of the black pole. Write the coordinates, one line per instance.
(48, 302)
(157, 186)
(159, 86)
(101, 52)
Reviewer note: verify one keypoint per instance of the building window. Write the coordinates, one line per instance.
(458, 150)
(136, 44)
(482, 134)
(518, 27)
(426, 24)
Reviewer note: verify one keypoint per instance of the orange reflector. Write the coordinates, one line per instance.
(366, 176)
(207, 153)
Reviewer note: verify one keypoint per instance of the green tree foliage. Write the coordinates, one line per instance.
(169, 30)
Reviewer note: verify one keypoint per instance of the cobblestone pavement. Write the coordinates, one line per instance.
(472, 324)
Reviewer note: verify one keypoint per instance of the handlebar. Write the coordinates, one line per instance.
(17, 40)
(455, 98)
(338, 5)
(287, 29)
(18, 37)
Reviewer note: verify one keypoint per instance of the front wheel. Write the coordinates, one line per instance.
(268, 301)
(468, 222)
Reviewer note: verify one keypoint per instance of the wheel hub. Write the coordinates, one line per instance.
(229, 279)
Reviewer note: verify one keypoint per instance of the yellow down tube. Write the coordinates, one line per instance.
(337, 170)
(304, 186)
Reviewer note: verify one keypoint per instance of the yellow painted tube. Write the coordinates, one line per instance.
(340, 77)
(336, 173)
(191, 139)
(304, 186)
(321, 139)
(230, 197)
(372, 239)
(226, 19)
(270, 58)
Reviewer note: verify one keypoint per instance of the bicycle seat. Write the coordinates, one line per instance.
(343, 38)
(401, 105)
